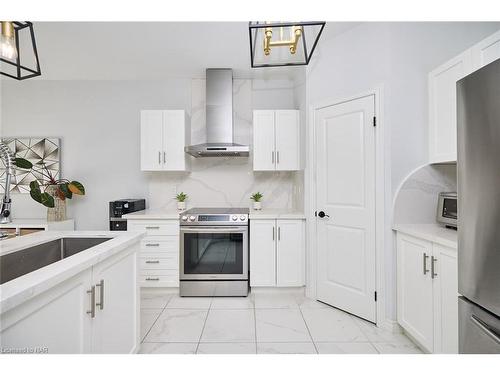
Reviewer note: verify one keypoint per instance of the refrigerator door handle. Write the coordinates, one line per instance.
(484, 327)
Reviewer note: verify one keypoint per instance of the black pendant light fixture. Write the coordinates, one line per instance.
(17, 40)
(283, 43)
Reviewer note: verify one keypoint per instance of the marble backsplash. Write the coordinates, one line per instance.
(416, 202)
(229, 182)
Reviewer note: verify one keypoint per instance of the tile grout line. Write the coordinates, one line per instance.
(204, 324)
(309, 331)
(161, 312)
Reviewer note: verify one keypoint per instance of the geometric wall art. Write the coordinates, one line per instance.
(39, 151)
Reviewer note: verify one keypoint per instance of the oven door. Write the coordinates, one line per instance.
(214, 253)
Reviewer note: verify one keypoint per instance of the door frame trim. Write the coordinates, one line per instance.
(381, 176)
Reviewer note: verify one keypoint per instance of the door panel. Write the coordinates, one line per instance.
(151, 140)
(414, 289)
(345, 179)
(174, 140)
(117, 322)
(262, 253)
(287, 140)
(445, 293)
(264, 157)
(290, 253)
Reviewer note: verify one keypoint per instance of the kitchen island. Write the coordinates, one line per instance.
(86, 302)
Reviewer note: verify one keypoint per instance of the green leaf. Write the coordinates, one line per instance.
(34, 185)
(47, 200)
(67, 193)
(36, 194)
(23, 163)
(76, 188)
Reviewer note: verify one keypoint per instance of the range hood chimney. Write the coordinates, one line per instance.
(219, 115)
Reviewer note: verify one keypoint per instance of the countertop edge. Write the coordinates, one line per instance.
(430, 232)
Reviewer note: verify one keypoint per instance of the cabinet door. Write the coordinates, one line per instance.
(174, 139)
(486, 51)
(414, 288)
(263, 253)
(116, 323)
(445, 287)
(264, 156)
(151, 140)
(290, 253)
(287, 140)
(443, 107)
(56, 320)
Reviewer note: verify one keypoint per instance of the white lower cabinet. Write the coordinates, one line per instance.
(95, 311)
(159, 252)
(427, 292)
(277, 252)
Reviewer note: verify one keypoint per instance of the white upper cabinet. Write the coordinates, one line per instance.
(263, 141)
(443, 96)
(163, 137)
(486, 51)
(443, 107)
(276, 140)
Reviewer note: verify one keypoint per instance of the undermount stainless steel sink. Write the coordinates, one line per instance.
(24, 261)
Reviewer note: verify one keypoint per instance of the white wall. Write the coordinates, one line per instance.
(395, 57)
(98, 123)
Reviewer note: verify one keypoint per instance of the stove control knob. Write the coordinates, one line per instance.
(192, 218)
(234, 218)
(243, 217)
(184, 218)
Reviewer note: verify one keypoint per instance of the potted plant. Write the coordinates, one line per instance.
(181, 201)
(49, 191)
(256, 197)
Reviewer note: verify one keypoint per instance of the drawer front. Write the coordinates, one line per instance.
(160, 244)
(160, 263)
(155, 228)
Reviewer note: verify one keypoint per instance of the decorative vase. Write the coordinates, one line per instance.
(257, 205)
(58, 213)
(181, 206)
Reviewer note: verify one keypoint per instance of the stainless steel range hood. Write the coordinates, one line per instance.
(219, 114)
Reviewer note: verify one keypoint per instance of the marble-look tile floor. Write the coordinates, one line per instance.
(262, 323)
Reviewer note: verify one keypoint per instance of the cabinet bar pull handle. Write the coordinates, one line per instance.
(164, 157)
(152, 244)
(155, 227)
(273, 233)
(278, 156)
(484, 327)
(152, 261)
(92, 301)
(152, 278)
(425, 264)
(279, 233)
(101, 295)
(159, 157)
(433, 262)
(272, 156)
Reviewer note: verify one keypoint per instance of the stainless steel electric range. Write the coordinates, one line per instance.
(214, 252)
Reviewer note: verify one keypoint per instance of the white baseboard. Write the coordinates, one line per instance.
(391, 326)
(277, 290)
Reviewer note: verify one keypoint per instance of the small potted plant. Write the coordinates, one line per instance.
(181, 200)
(50, 191)
(257, 197)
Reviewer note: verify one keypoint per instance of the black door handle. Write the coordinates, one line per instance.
(322, 214)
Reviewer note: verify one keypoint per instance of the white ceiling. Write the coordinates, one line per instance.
(153, 50)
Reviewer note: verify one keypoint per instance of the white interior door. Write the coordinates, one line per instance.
(345, 183)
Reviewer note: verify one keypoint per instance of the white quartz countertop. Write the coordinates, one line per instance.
(154, 214)
(31, 222)
(430, 232)
(21, 289)
(276, 214)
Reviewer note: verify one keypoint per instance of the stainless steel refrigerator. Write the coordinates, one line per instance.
(478, 104)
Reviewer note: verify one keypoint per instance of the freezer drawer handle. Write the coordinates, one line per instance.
(484, 327)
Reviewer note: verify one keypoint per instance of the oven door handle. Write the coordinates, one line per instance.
(227, 229)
